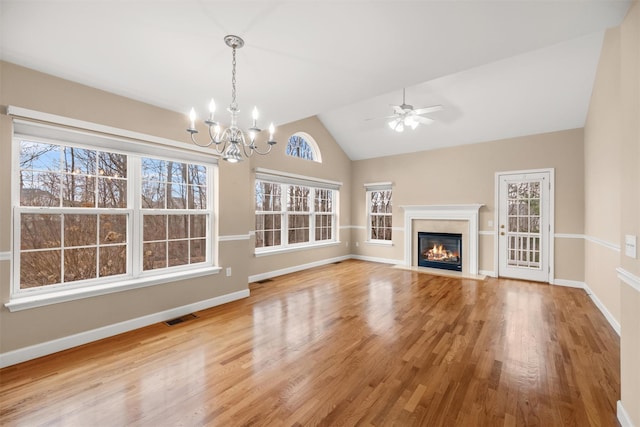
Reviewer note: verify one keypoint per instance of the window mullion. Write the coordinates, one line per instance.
(134, 219)
(284, 224)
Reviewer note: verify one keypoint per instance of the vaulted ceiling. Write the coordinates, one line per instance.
(500, 68)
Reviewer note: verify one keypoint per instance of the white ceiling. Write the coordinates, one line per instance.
(499, 68)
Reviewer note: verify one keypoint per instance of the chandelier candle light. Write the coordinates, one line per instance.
(231, 142)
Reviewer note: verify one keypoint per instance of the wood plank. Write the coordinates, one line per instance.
(354, 343)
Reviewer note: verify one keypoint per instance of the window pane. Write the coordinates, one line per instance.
(177, 196)
(154, 170)
(298, 198)
(178, 226)
(113, 229)
(198, 251)
(39, 188)
(79, 264)
(40, 268)
(197, 175)
(178, 172)
(178, 252)
(40, 231)
(153, 194)
(197, 197)
(198, 226)
(79, 161)
(112, 165)
(299, 147)
(80, 230)
(155, 227)
(113, 260)
(155, 255)
(112, 193)
(78, 191)
(39, 156)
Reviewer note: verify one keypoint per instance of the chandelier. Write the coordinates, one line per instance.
(231, 142)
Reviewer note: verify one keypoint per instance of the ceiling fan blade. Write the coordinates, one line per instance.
(431, 109)
(423, 120)
(380, 118)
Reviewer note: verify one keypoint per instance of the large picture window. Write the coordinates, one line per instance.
(89, 216)
(379, 212)
(293, 215)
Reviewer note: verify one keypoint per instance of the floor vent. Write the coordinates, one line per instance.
(180, 319)
(264, 281)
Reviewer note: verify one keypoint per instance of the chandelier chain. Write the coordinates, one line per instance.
(233, 80)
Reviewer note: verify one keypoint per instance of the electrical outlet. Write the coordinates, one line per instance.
(490, 223)
(228, 271)
(347, 245)
(357, 244)
(630, 246)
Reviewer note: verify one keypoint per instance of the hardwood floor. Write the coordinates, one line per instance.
(354, 343)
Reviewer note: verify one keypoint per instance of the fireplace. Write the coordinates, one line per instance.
(440, 250)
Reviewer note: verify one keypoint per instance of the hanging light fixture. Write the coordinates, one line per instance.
(232, 142)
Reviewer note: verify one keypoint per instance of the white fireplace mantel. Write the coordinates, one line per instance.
(467, 213)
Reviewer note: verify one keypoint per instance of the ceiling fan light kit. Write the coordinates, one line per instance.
(404, 115)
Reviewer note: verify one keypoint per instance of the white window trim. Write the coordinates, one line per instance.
(95, 136)
(370, 187)
(285, 178)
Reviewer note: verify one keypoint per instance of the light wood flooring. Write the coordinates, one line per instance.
(354, 343)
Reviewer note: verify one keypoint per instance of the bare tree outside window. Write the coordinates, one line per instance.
(299, 147)
(75, 220)
(288, 214)
(60, 246)
(380, 214)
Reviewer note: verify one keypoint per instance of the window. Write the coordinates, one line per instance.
(293, 214)
(89, 215)
(303, 146)
(379, 212)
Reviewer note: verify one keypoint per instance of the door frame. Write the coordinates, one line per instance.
(496, 218)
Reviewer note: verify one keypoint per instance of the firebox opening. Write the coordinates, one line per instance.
(440, 250)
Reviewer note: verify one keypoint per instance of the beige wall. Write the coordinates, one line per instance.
(29, 89)
(471, 170)
(33, 90)
(612, 193)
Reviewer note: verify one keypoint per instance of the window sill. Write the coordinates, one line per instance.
(264, 252)
(40, 300)
(379, 242)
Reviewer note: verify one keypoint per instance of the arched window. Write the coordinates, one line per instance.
(303, 146)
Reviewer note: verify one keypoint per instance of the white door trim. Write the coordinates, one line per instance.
(496, 217)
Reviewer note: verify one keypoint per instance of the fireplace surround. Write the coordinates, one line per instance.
(464, 217)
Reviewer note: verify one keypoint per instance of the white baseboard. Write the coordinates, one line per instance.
(487, 273)
(295, 268)
(376, 259)
(623, 417)
(49, 347)
(607, 314)
(568, 283)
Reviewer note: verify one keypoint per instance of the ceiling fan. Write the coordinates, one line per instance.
(405, 115)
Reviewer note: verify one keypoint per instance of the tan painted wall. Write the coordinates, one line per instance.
(472, 169)
(612, 192)
(29, 89)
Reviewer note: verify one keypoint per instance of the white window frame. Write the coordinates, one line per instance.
(135, 146)
(286, 179)
(370, 188)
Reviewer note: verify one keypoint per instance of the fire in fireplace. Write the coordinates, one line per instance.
(440, 250)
